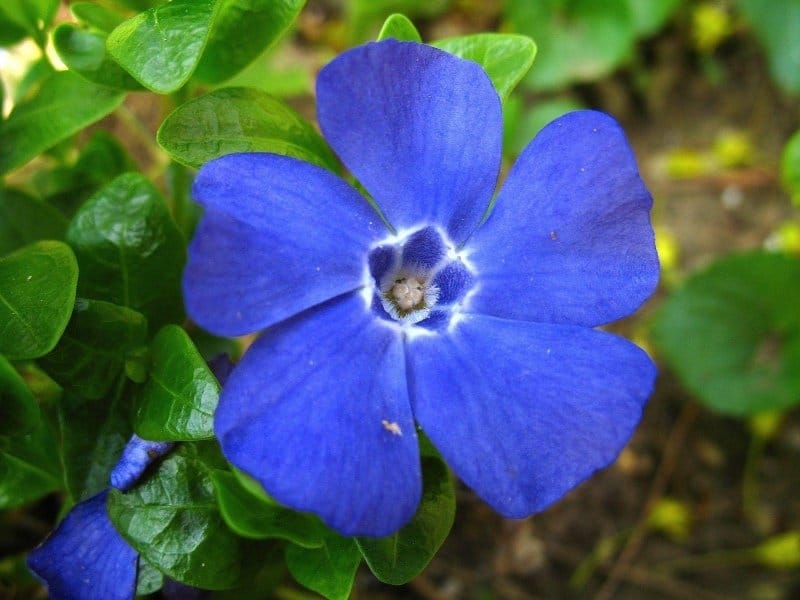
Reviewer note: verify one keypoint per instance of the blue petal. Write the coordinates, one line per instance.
(524, 412)
(85, 558)
(420, 128)
(136, 457)
(569, 240)
(278, 236)
(424, 249)
(318, 412)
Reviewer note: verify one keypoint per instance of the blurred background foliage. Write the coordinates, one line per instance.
(705, 502)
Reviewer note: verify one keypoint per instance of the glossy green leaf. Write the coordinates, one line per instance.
(84, 52)
(93, 434)
(775, 24)
(399, 27)
(24, 220)
(732, 333)
(173, 521)
(651, 15)
(90, 355)
(242, 30)
(37, 291)
(506, 58)
(19, 412)
(790, 167)
(96, 15)
(148, 579)
(580, 40)
(252, 517)
(29, 466)
(329, 570)
(162, 46)
(400, 557)
(129, 250)
(240, 120)
(181, 394)
(64, 104)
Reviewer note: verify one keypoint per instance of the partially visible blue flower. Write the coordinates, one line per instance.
(480, 330)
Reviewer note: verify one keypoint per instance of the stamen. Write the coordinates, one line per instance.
(408, 292)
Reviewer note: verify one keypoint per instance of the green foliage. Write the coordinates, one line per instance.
(329, 570)
(37, 291)
(399, 27)
(181, 393)
(19, 412)
(24, 220)
(400, 557)
(242, 30)
(64, 104)
(96, 15)
(29, 466)
(506, 58)
(790, 167)
(732, 333)
(775, 23)
(129, 250)
(240, 120)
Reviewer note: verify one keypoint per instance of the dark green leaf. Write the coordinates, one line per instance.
(775, 24)
(29, 466)
(732, 333)
(19, 412)
(252, 517)
(399, 27)
(162, 46)
(400, 557)
(84, 52)
(96, 16)
(90, 355)
(129, 250)
(93, 435)
(37, 291)
(581, 40)
(790, 167)
(505, 57)
(329, 570)
(181, 394)
(65, 104)
(31, 15)
(24, 220)
(172, 519)
(10, 32)
(240, 120)
(148, 579)
(242, 30)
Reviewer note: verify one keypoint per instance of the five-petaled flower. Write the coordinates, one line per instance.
(480, 329)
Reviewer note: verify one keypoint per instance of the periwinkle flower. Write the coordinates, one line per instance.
(478, 329)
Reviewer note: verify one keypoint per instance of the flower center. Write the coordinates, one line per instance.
(418, 279)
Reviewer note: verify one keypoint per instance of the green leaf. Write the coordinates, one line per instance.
(95, 15)
(242, 30)
(650, 15)
(64, 104)
(91, 353)
(37, 291)
(162, 46)
(19, 412)
(129, 250)
(29, 466)
(790, 167)
(400, 557)
(93, 434)
(10, 32)
(181, 394)
(732, 333)
(399, 27)
(24, 220)
(580, 40)
(521, 124)
(252, 517)
(329, 570)
(84, 52)
(148, 579)
(31, 15)
(173, 521)
(505, 57)
(363, 14)
(240, 120)
(775, 24)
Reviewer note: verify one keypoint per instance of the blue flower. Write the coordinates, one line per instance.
(425, 311)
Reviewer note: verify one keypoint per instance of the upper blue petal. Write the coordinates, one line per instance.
(318, 412)
(420, 128)
(523, 412)
(137, 455)
(85, 558)
(278, 235)
(569, 239)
